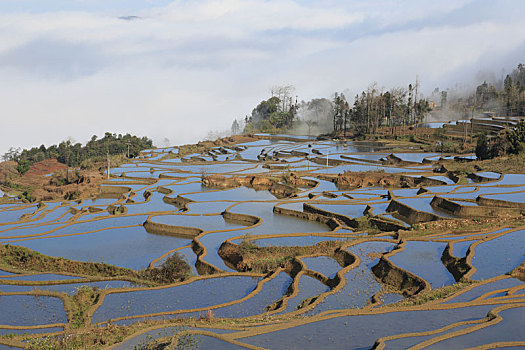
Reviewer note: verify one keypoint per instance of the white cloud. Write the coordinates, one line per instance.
(241, 16)
(192, 66)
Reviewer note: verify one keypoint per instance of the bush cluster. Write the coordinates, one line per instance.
(510, 142)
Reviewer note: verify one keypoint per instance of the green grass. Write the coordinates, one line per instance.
(434, 294)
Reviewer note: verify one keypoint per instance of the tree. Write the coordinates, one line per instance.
(341, 108)
(13, 154)
(73, 154)
(443, 100)
(285, 94)
(507, 89)
(272, 115)
(236, 128)
(516, 138)
(482, 147)
(23, 166)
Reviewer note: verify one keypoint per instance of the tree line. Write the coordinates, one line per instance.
(510, 97)
(505, 97)
(370, 109)
(373, 108)
(76, 155)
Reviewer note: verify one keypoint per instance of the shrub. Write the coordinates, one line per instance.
(516, 138)
(448, 147)
(23, 166)
(501, 144)
(482, 147)
(174, 269)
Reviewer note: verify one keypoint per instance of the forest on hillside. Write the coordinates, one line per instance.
(76, 155)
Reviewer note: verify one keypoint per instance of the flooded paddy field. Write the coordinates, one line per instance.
(286, 243)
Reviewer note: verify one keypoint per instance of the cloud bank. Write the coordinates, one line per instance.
(182, 68)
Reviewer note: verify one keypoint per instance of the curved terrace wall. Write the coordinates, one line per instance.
(403, 280)
(113, 191)
(411, 215)
(499, 203)
(458, 267)
(468, 211)
(311, 216)
(308, 208)
(170, 230)
(179, 201)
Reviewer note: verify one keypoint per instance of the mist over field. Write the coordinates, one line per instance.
(178, 69)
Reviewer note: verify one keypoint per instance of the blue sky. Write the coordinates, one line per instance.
(74, 69)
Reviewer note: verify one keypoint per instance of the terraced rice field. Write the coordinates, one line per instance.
(288, 257)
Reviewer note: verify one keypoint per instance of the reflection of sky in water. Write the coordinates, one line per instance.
(499, 256)
(424, 260)
(422, 204)
(206, 223)
(350, 210)
(135, 248)
(360, 282)
(358, 168)
(509, 197)
(201, 293)
(128, 247)
(27, 310)
(415, 157)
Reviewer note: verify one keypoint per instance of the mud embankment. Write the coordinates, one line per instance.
(113, 191)
(458, 267)
(499, 203)
(334, 220)
(243, 219)
(395, 160)
(519, 272)
(171, 230)
(469, 211)
(247, 257)
(409, 214)
(380, 179)
(406, 282)
(259, 183)
(311, 216)
(385, 225)
(179, 201)
(478, 178)
(117, 209)
(350, 222)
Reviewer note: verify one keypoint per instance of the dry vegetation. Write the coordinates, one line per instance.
(247, 256)
(15, 258)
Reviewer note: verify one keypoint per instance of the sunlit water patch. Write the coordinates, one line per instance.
(424, 260)
(478, 291)
(508, 330)
(322, 264)
(198, 294)
(360, 332)
(499, 256)
(129, 247)
(28, 310)
(361, 284)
